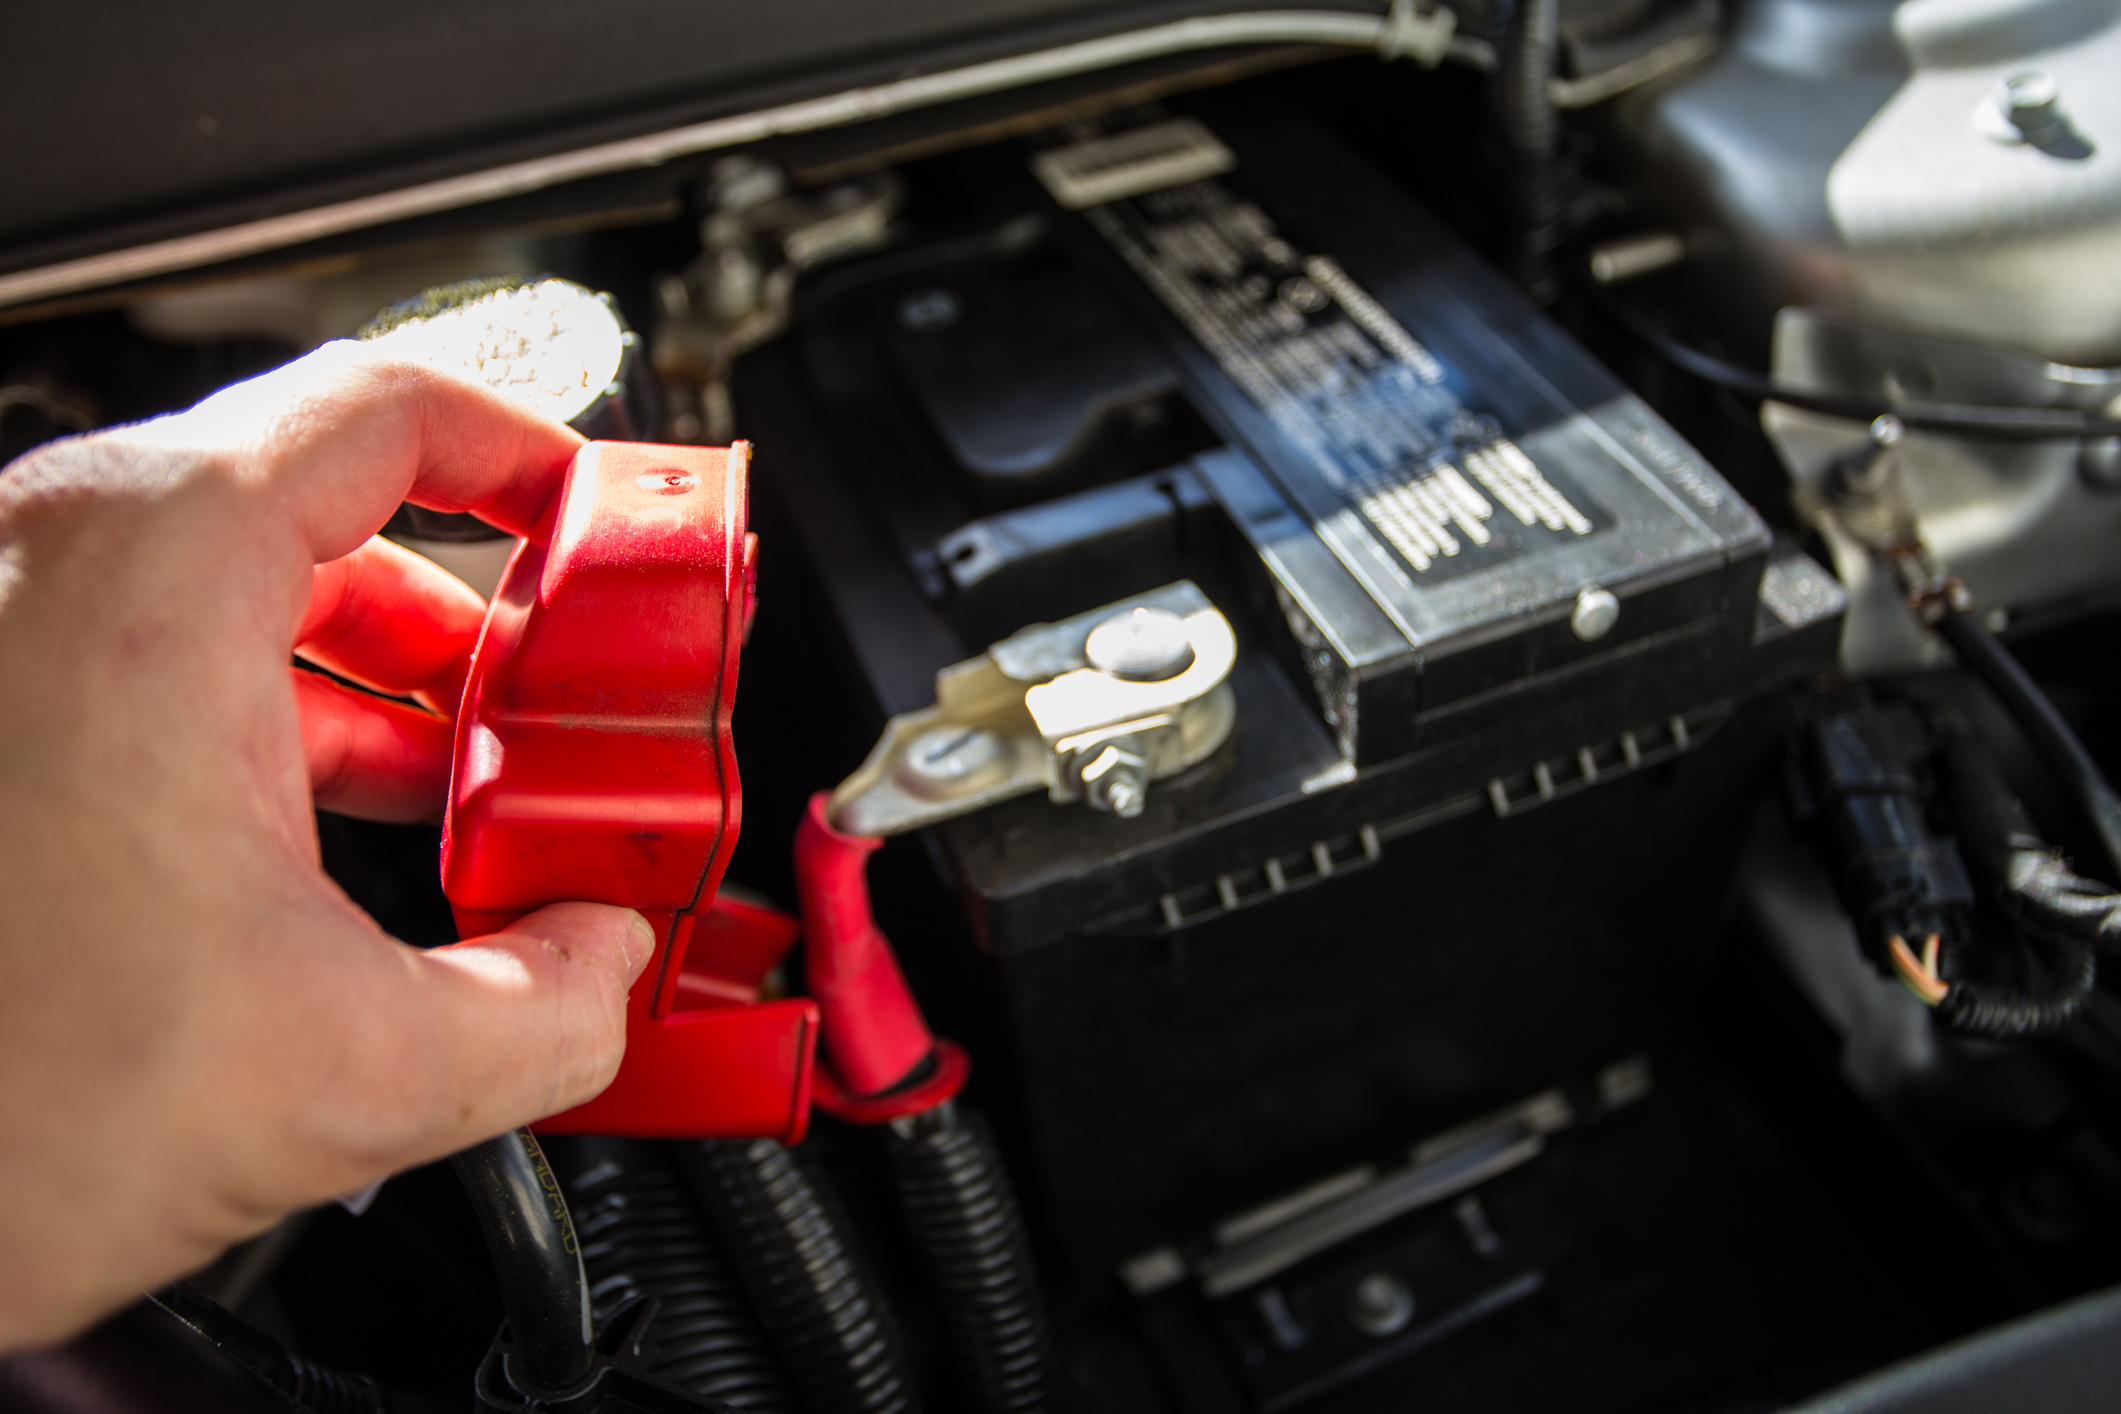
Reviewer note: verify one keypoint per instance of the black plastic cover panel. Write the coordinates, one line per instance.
(133, 114)
(2066, 1360)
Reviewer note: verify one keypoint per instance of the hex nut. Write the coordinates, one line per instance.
(1115, 777)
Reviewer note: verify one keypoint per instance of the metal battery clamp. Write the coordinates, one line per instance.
(1092, 709)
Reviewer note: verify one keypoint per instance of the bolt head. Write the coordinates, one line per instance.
(2031, 103)
(2032, 94)
(952, 760)
(1140, 645)
(1380, 1305)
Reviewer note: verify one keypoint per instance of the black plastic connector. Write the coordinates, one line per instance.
(618, 1382)
(1869, 774)
(1867, 785)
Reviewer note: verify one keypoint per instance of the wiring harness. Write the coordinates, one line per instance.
(1875, 777)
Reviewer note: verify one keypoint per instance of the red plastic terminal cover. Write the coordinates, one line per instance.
(594, 762)
(884, 1062)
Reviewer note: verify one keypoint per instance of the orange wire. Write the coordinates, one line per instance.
(1921, 980)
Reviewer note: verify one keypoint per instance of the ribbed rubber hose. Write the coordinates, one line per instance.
(2009, 1013)
(1524, 34)
(309, 1387)
(2061, 917)
(642, 1234)
(782, 1227)
(962, 1215)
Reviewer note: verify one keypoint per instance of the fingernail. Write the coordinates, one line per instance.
(640, 946)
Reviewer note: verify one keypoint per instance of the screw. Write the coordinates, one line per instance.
(1380, 1305)
(1124, 795)
(1865, 475)
(2032, 101)
(951, 760)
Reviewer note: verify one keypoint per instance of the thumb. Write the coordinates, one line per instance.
(531, 1020)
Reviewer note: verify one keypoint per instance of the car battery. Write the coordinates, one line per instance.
(1507, 646)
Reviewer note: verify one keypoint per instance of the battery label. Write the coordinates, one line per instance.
(1367, 406)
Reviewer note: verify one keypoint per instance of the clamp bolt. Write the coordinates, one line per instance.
(1380, 1305)
(951, 761)
(1140, 645)
(1115, 777)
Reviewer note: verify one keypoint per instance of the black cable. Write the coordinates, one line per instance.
(2041, 891)
(961, 1213)
(1962, 419)
(544, 1290)
(1868, 776)
(1989, 660)
(1521, 93)
(308, 1387)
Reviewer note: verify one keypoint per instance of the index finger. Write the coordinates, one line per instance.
(342, 435)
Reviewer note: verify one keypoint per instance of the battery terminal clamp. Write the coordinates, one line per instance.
(1092, 709)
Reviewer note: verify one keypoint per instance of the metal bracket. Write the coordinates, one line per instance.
(1092, 708)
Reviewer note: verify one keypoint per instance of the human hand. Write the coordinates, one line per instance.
(198, 1031)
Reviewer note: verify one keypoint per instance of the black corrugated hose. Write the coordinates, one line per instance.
(2062, 917)
(962, 1216)
(642, 1234)
(310, 1388)
(783, 1230)
(1524, 34)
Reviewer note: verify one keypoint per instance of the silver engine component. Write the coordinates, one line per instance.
(1861, 154)
(1912, 200)
(2023, 524)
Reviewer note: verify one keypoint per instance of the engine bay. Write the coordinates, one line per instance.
(1480, 678)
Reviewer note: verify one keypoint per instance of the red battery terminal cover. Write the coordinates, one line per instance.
(594, 762)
